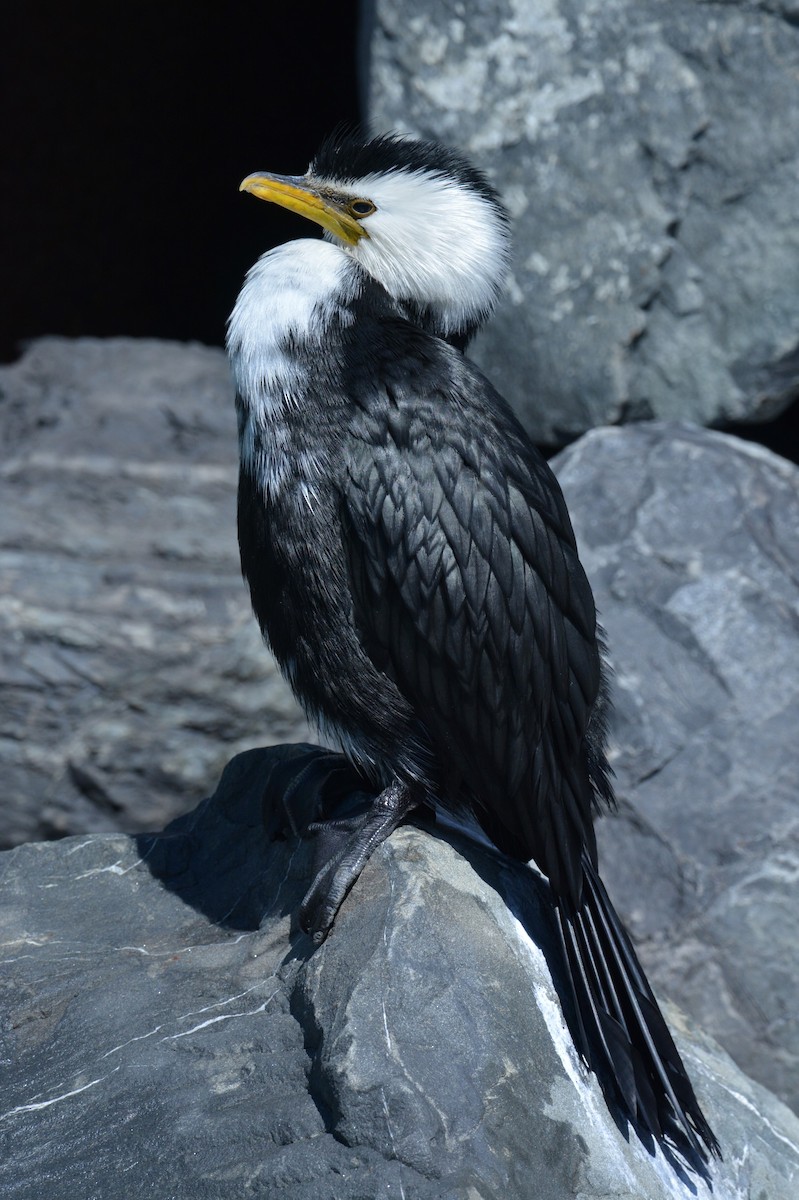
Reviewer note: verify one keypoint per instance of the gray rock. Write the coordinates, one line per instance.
(691, 541)
(648, 162)
(130, 664)
(166, 1033)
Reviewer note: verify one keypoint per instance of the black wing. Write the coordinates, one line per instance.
(468, 592)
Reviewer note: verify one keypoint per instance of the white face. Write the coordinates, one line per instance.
(432, 241)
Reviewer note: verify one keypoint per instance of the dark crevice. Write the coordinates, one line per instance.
(302, 1010)
(780, 435)
(631, 411)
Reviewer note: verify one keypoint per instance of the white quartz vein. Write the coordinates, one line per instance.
(196, 1013)
(37, 1105)
(753, 1108)
(391, 1136)
(250, 1012)
(140, 1038)
(382, 993)
(113, 869)
(273, 906)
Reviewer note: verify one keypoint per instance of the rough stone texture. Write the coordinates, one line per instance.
(130, 665)
(646, 155)
(164, 1032)
(691, 541)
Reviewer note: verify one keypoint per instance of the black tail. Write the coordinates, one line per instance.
(622, 1032)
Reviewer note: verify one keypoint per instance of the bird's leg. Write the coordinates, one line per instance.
(343, 848)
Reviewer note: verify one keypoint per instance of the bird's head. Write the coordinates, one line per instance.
(417, 217)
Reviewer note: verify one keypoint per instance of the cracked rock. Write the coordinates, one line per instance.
(130, 675)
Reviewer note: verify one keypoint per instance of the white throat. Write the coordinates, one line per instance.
(289, 298)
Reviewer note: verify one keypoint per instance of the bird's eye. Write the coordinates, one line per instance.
(361, 208)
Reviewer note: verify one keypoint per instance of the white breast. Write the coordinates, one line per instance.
(288, 299)
(282, 313)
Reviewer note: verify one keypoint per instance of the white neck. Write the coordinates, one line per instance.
(289, 297)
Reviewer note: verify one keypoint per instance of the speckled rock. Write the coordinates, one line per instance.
(132, 667)
(645, 157)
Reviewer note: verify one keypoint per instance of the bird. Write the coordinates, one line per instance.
(413, 567)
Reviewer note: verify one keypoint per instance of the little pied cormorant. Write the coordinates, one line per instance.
(412, 564)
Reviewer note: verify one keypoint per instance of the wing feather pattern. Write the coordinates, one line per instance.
(469, 593)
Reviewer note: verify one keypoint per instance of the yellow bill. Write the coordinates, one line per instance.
(295, 193)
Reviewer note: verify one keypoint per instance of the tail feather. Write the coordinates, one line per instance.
(621, 1030)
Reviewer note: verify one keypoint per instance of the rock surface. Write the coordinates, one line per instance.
(130, 663)
(166, 1032)
(691, 541)
(652, 178)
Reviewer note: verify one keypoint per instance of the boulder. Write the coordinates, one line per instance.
(691, 542)
(168, 1031)
(652, 183)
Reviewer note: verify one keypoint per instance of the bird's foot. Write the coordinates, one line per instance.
(344, 846)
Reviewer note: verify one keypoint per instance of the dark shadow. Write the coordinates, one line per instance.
(149, 125)
(245, 852)
(238, 856)
(780, 434)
